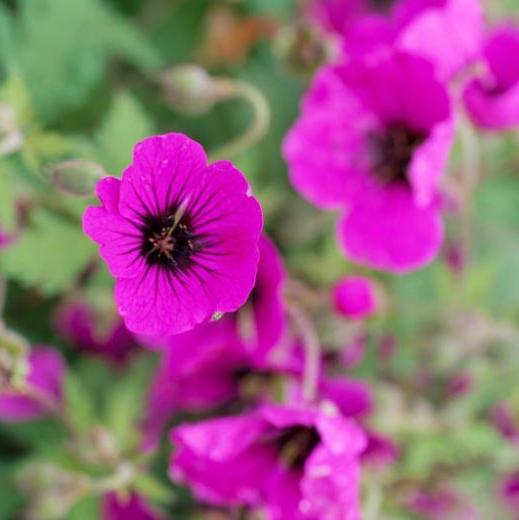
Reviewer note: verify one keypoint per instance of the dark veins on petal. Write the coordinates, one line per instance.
(296, 444)
(168, 239)
(392, 151)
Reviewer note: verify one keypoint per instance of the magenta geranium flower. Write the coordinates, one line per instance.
(448, 33)
(207, 368)
(200, 369)
(382, 159)
(354, 297)
(380, 450)
(46, 373)
(492, 100)
(77, 323)
(509, 491)
(133, 507)
(296, 461)
(266, 302)
(180, 236)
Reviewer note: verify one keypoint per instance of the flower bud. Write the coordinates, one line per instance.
(76, 177)
(13, 358)
(304, 48)
(189, 89)
(11, 138)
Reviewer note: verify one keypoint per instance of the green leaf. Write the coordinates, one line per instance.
(7, 198)
(78, 403)
(7, 38)
(125, 124)
(15, 93)
(86, 509)
(125, 403)
(153, 488)
(66, 47)
(49, 255)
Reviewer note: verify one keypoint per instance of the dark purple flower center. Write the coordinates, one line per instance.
(296, 444)
(382, 5)
(168, 240)
(392, 151)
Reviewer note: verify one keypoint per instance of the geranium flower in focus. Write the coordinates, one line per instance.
(45, 376)
(179, 236)
(354, 297)
(373, 138)
(492, 100)
(296, 461)
(76, 322)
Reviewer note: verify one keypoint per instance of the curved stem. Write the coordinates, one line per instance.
(260, 122)
(312, 352)
(3, 297)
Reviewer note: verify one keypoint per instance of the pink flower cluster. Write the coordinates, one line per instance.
(183, 241)
(198, 281)
(376, 128)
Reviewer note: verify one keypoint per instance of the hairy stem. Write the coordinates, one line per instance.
(312, 352)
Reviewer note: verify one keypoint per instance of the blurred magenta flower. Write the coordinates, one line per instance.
(201, 370)
(296, 461)
(77, 323)
(5, 238)
(206, 368)
(492, 100)
(45, 376)
(133, 507)
(354, 297)
(353, 353)
(351, 396)
(381, 160)
(179, 236)
(266, 300)
(448, 33)
(380, 450)
(510, 492)
(505, 422)
(440, 504)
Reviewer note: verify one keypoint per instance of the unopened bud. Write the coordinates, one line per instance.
(189, 89)
(11, 138)
(13, 358)
(76, 177)
(304, 48)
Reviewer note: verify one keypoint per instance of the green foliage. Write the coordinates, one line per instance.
(154, 489)
(86, 509)
(79, 407)
(50, 255)
(51, 28)
(125, 405)
(125, 124)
